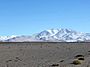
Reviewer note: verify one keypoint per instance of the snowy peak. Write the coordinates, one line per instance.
(22, 38)
(6, 37)
(56, 35)
(66, 35)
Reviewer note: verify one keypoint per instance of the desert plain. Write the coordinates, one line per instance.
(45, 54)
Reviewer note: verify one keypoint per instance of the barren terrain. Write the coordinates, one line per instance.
(45, 54)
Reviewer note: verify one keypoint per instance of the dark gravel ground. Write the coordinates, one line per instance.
(45, 54)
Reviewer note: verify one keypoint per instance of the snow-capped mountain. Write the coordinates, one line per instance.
(52, 35)
(21, 39)
(2, 38)
(66, 35)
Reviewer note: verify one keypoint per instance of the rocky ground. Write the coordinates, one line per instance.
(44, 54)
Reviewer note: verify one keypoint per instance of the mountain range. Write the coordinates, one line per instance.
(51, 35)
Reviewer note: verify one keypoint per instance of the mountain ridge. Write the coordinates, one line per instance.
(56, 35)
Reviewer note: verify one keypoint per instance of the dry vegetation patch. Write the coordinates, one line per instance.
(76, 62)
(81, 58)
(54, 65)
(77, 56)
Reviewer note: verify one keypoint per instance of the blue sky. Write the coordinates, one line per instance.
(26, 17)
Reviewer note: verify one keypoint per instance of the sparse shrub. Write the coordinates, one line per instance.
(81, 58)
(76, 62)
(8, 61)
(61, 60)
(17, 58)
(53, 65)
